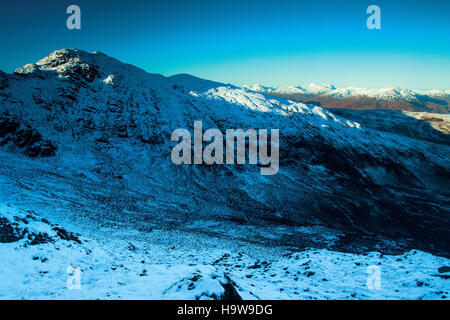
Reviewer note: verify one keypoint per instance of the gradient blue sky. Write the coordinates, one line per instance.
(245, 42)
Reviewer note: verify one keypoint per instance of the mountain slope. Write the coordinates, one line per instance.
(111, 125)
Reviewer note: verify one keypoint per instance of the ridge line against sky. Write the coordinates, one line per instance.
(276, 43)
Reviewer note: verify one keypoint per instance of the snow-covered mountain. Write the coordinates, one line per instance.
(391, 93)
(362, 98)
(85, 146)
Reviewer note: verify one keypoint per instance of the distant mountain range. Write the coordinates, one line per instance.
(390, 98)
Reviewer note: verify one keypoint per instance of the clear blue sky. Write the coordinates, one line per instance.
(245, 42)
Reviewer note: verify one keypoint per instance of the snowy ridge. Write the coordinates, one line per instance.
(146, 95)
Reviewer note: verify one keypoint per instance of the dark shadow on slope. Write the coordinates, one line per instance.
(424, 98)
(395, 121)
(189, 82)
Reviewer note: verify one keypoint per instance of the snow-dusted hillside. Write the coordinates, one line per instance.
(85, 145)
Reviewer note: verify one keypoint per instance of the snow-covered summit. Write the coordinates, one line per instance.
(79, 63)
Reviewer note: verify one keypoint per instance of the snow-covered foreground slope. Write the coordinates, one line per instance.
(85, 145)
(115, 268)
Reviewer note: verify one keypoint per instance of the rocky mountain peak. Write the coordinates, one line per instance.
(65, 62)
